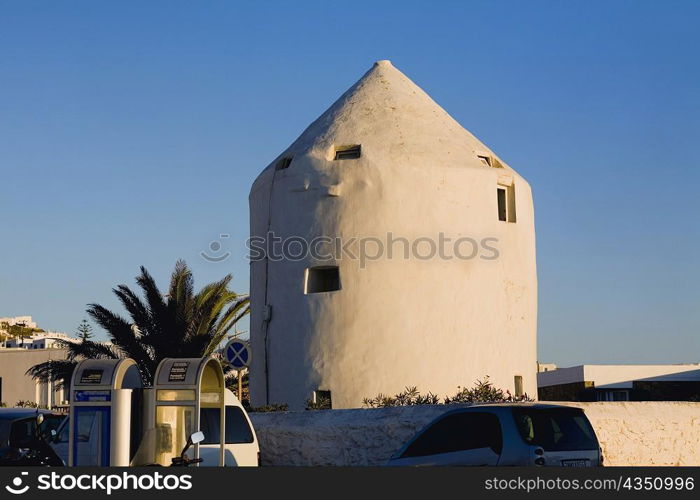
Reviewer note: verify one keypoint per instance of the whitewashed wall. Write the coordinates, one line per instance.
(635, 433)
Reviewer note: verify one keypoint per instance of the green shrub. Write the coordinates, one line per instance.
(266, 408)
(483, 392)
(409, 397)
(29, 404)
(321, 403)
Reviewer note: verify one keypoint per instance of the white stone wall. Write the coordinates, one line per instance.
(633, 433)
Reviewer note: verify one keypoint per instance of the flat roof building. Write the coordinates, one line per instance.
(16, 385)
(620, 383)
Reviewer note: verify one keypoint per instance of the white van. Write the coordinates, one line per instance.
(241, 444)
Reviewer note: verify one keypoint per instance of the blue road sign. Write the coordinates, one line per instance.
(238, 354)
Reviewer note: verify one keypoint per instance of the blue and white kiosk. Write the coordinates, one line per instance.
(183, 387)
(101, 416)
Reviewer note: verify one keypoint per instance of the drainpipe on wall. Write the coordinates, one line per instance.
(267, 308)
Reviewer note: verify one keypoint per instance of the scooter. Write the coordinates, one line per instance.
(183, 460)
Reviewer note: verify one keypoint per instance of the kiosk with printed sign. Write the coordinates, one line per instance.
(101, 416)
(183, 387)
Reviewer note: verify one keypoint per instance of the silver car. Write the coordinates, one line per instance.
(505, 434)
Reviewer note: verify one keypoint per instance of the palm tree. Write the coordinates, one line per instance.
(179, 324)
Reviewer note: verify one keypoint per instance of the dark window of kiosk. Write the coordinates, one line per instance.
(237, 428)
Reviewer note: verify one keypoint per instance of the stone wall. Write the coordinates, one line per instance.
(631, 433)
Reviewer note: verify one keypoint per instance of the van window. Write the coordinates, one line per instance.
(237, 428)
(458, 432)
(555, 429)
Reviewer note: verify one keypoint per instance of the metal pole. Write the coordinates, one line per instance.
(240, 385)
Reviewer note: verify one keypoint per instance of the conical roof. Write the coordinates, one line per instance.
(394, 120)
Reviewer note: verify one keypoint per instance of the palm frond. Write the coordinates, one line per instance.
(185, 324)
(58, 371)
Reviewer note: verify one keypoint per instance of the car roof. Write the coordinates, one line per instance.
(6, 413)
(536, 406)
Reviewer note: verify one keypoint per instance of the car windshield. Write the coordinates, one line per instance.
(555, 429)
(23, 433)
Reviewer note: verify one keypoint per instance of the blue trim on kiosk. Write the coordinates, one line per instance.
(90, 396)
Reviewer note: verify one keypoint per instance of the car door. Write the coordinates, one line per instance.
(459, 438)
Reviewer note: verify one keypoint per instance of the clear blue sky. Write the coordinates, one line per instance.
(130, 133)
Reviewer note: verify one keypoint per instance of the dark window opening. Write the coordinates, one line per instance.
(348, 152)
(322, 279)
(506, 203)
(322, 400)
(284, 163)
(502, 212)
(458, 432)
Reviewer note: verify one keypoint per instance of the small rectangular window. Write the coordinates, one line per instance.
(322, 400)
(348, 152)
(322, 279)
(502, 211)
(283, 163)
(519, 385)
(506, 203)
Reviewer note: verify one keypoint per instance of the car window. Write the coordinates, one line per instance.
(51, 423)
(237, 427)
(23, 433)
(555, 429)
(457, 432)
(62, 436)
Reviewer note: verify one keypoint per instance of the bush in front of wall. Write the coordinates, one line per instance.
(266, 408)
(29, 404)
(482, 392)
(409, 397)
(321, 403)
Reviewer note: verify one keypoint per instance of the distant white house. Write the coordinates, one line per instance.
(620, 383)
(19, 320)
(39, 340)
